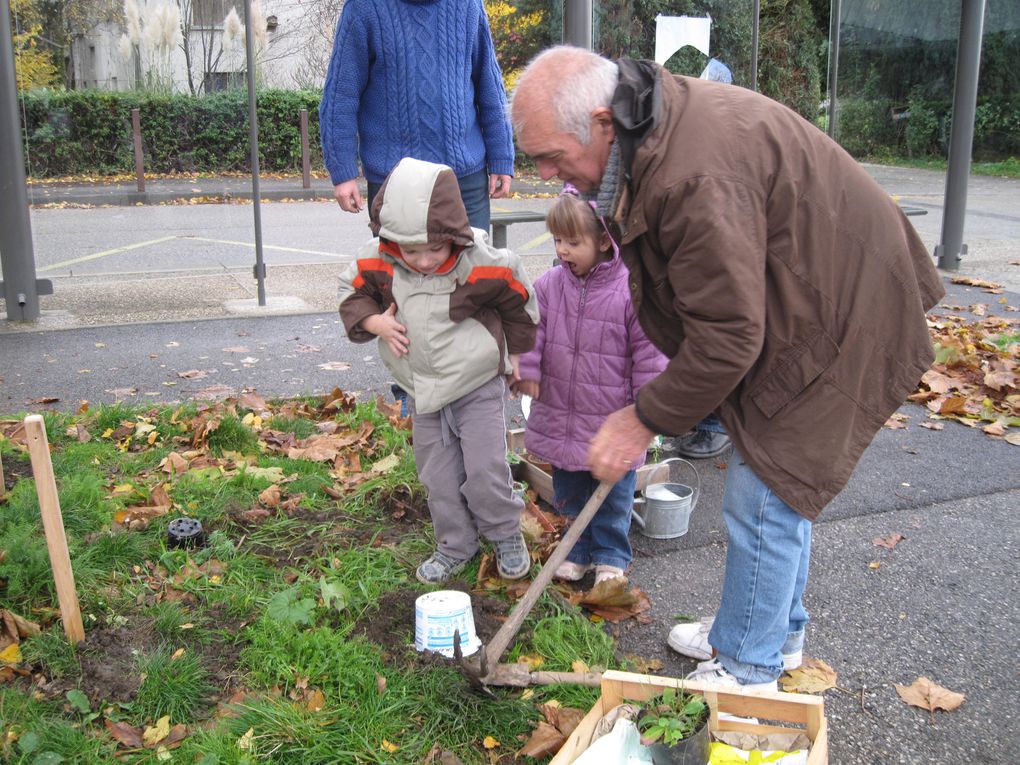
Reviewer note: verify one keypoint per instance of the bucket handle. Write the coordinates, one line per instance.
(697, 476)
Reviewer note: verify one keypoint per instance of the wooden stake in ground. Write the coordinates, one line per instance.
(53, 524)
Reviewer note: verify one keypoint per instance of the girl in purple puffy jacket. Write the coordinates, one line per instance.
(590, 358)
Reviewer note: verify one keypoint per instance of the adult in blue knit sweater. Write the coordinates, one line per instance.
(416, 78)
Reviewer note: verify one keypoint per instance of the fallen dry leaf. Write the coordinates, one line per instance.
(614, 600)
(125, 735)
(813, 676)
(925, 694)
(889, 542)
(156, 733)
(896, 421)
(544, 740)
(213, 393)
(975, 282)
(314, 700)
(270, 497)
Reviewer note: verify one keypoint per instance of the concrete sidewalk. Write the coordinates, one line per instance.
(944, 604)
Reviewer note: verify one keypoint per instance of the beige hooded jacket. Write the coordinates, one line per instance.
(463, 321)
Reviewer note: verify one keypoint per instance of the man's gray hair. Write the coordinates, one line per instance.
(589, 84)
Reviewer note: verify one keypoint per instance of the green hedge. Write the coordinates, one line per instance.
(88, 132)
(868, 129)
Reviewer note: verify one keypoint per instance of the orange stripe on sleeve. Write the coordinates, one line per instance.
(371, 264)
(497, 272)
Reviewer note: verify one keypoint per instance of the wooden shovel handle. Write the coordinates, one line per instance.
(498, 645)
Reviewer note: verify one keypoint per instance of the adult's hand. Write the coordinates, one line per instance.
(499, 186)
(348, 195)
(619, 444)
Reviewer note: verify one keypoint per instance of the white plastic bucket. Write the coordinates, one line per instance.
(437, 616)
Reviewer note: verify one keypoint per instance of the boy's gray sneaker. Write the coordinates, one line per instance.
(512, 557)
(439, 568)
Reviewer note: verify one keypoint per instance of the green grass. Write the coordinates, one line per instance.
(1005, 340)
(52, 651)
(40, 733)
(1007, 168)
(232, 436)
(282, 596)
(179, 687)
(299, 426)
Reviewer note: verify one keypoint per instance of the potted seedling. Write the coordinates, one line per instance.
(674, 726)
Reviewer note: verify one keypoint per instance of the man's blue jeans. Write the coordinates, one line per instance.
(762, 614)
(605, 541)
(474, 190)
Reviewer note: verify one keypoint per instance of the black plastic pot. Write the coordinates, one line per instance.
(693, 750)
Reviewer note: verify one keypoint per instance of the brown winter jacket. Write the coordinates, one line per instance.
(785, 285)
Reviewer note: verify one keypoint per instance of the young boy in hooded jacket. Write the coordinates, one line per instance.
(452, 315)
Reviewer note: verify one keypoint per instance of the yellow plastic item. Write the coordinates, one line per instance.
(724, 754)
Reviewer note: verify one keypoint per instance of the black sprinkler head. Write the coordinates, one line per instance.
(185, 532)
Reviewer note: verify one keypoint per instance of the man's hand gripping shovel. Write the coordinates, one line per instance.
(477, 669)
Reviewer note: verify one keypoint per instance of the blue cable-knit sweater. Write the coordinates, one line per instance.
(414, 78)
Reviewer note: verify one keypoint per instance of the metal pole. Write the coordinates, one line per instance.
(136, 131)
(306, 165)
(834, 31)
(577, 23)
(253, 137)
(20, 289)
(951, 248)
(754, 45)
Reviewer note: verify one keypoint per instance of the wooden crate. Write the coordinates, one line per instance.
(541, 480)
(796, 709)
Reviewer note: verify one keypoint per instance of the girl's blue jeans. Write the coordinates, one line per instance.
(762, 614)
(605, 541)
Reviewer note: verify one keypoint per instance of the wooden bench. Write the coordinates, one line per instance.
(913, 210)
(501, 221)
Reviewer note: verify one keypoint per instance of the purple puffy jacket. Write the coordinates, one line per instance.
(590, 358)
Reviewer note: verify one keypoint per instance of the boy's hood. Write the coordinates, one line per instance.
(420, 203)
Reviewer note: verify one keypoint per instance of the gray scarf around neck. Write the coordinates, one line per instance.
(608, 192)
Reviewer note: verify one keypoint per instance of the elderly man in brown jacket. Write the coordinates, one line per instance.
(787, 288)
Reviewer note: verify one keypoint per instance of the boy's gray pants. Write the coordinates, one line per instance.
(460, 452)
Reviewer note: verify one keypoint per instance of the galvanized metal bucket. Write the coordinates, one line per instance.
(664, 512)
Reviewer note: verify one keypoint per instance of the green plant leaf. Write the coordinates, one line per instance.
(290, 608)
(79, 701)
(28, 742)
(47, 758)
(334, 594)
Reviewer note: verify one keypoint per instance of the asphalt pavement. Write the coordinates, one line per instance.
(943, 604)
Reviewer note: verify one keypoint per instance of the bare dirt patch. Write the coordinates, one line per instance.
(392, 625)
(14, 470)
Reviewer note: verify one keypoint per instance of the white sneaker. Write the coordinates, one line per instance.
(714, 673)
(569, 571)
(604, 573)
(691, 640)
